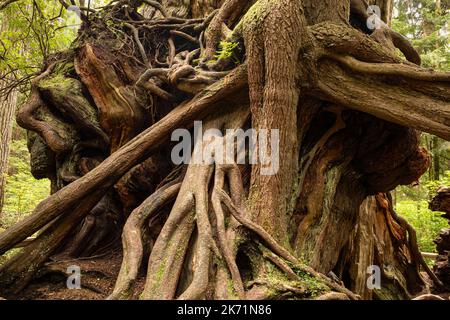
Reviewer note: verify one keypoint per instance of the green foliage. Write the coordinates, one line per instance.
(412, 203)
(433, 185)
(23, 193)
(226, 50)
(426, 222)
(426, 24)
(31, 31)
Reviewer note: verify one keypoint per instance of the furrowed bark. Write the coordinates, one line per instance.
(7, 111)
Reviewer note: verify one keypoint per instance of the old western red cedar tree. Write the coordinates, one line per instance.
(348, 108)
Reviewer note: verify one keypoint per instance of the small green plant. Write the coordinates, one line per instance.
(426, 223)
(226, 50)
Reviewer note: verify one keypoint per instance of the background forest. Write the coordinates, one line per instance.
(32, 33)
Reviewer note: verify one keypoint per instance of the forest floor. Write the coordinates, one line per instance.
(98, 276)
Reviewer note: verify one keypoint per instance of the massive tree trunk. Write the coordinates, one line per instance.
(347, 109)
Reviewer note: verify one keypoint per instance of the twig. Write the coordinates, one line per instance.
(138, 42)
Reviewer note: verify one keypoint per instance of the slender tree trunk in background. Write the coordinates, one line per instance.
(436, 167)
(7, 113)
(438, 7)
(441, 203)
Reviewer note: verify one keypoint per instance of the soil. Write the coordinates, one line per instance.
(98, 276)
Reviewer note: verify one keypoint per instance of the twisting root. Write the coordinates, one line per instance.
(384, 34)
(157, 6)
(171, 254)
(138, 42)
(214, 33)
(263, 234)
(221, 232)
(170, 257)
(199, 284)
(184, 35)
(167, 257)
(26, 118)
(390, 69)
(278, 249)
(172, 52)
(21, 268)
(132, 239)
(412, 239)
(281, 264)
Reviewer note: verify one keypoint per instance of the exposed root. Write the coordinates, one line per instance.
(157, 6)
(263, 234)
(279, 250)
(132, 239)
(412, 239)
(227, 14)
(181, 75)
(21, 268)
(200, 281)
(219, 184)
(333, 296)
(138, 42)
(113, 168)
(428, 297)
(167, 256)
(383, 33)
(389, 69)
(26, 117)
(195, 255)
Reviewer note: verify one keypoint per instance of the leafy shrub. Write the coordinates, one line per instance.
(23, 192)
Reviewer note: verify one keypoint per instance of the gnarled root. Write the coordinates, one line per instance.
(195, 254)
(26, 117)
(132, 239)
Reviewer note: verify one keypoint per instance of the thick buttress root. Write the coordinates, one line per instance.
(170, 252)
(210, 220)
